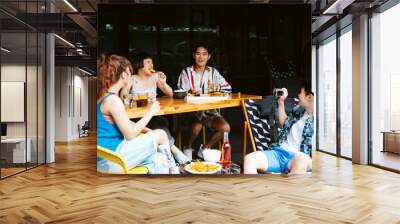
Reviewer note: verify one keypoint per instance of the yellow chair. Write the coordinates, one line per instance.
(117, 159)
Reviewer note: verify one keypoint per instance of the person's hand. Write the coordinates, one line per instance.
(284, 95)
(154, 108)
(162, 77)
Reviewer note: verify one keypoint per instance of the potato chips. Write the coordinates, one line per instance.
(203, 167)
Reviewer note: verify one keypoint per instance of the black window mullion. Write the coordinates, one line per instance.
(26, 87)
(317, 90)
(369, 78)
(37, 90)
(338, 93)
(0, 96)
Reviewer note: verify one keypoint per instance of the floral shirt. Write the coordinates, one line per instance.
(308, 130)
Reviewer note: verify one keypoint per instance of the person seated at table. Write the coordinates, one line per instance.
(201, 77)
(293, 151)
(117, 133)
(146, 82)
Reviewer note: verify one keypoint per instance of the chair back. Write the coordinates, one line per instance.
(112, 157)
(260, 130)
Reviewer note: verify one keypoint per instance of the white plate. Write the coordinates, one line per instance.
(195, 172)
(205, 99)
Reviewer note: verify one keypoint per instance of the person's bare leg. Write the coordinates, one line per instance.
(299, 164)
(255, 161)
(161, 137)
(220, 126)
(175, 149)
(194, 131)
(179, 156)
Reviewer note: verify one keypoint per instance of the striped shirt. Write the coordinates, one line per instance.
(190, 79)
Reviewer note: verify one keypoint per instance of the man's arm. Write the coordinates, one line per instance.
(223, 85)
(281, 108)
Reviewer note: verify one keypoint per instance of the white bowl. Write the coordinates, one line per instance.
(212, 155)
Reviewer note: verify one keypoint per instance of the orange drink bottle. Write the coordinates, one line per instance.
(226, 150)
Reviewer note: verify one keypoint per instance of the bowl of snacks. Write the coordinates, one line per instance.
(202, 168)
(212, 155)
(180, 93)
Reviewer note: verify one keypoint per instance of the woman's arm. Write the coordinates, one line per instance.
(145, 129)
(183, 81)
(163, 85)
(114, 106)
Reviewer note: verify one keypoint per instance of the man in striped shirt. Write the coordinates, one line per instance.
(202, 78)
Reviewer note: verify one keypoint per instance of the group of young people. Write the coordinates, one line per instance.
(148, 142)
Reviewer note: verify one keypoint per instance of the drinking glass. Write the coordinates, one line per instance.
(142, 100)
(151, 97)
(126, 101)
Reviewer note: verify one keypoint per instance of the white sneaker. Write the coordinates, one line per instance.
(188, 153)
(200, 152)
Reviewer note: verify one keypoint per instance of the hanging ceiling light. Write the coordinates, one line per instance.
(84, 71)
(70, 5)
(65, 41)
(5, 50)
(337, 7)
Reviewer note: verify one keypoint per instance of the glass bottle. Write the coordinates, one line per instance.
(226, 150)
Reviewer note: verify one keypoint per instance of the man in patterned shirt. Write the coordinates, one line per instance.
(203, 78)
(293, 151)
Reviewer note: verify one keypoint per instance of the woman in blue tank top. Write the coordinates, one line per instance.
(117, 133)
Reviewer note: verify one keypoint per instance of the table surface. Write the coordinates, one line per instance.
(176, 106)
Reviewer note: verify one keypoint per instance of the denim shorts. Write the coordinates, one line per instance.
(278, 159)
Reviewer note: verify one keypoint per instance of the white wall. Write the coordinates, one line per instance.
(71, 94)
(16, 73)
(61, 103)
(33, 127)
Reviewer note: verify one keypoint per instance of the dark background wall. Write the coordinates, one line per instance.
(256, 47)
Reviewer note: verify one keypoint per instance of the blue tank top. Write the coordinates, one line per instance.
(108, 135)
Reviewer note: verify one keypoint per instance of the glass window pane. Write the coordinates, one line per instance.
(327, 96)
(175, 51)
(41, 98)
(13, 84)
(385, 84)
(346, 94)
(31, 96)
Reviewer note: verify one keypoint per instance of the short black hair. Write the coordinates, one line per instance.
(198, 45)
(138, 61)
(307, 88)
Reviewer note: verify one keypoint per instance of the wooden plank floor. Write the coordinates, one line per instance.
(70, 191)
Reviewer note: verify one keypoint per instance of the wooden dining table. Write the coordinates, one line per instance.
(176, 106)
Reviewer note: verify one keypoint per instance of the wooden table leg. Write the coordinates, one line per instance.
(178, 134)
(204, 135)
(244, 139)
